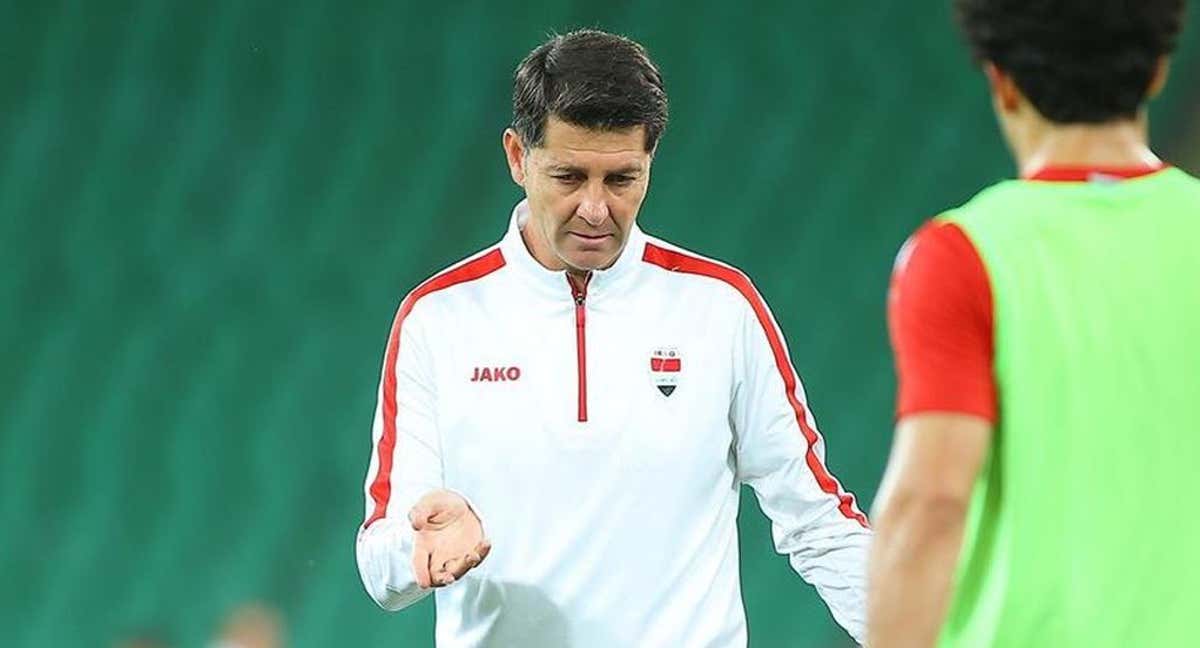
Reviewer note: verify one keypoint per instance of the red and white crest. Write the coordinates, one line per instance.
(666, 365)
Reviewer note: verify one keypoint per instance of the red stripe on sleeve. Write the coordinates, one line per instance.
(679, 262)
(940, 321)
(381, 487)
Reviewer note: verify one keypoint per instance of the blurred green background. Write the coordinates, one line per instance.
(210, 210)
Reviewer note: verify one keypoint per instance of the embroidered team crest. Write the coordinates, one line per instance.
(666, 365)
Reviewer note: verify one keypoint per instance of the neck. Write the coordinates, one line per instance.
(1120, 144)
(578, 275)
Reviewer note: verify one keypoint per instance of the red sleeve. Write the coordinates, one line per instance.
(940, 321)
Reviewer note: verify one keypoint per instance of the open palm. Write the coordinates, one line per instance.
(447, 539)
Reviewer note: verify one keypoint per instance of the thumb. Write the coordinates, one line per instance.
(419, 516)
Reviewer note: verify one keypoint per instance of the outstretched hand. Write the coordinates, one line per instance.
(447, 539)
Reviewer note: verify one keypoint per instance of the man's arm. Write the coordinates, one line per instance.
(940, 320)
(919, 517)
(781, 455)
(416, 535)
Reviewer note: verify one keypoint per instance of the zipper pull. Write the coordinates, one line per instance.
(578, 291)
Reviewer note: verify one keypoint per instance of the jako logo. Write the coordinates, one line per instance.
(496, 374)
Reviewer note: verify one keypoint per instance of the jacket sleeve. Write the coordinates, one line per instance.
(405, 464)
(781, 455)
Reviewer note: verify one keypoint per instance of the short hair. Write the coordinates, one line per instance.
(1077, 61)
(592, 79)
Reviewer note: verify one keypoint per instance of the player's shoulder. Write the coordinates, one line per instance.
(998, 196)
(940, 242)
(951, 232)
(680, 265)
(466, 275)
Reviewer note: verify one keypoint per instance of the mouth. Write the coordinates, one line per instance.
(589, 238)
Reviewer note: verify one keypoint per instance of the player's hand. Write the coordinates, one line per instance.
(447, 539)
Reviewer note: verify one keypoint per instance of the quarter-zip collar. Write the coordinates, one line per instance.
(553, 284)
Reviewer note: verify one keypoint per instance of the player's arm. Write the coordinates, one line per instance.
(781, 455)
(416, 534)
(919, 517)
(940, 319)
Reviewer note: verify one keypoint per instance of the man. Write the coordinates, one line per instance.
(1047, 336)
(592, 398)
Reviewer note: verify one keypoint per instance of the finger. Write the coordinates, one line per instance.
(440, 515)
(431, 516)
(421, 565)
(444, 575)
(437, 569)
(483, 549)
(460, 566)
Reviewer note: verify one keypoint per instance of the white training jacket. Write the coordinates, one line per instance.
(602, 439)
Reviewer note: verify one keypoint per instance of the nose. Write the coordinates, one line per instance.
(593, 209)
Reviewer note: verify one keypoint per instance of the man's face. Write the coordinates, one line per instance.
(584, 187)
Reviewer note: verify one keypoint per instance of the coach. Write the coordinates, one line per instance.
(580, 403)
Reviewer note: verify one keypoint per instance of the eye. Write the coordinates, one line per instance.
(565, 178)
(621, 180)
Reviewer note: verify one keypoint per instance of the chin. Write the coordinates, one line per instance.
(591, 260)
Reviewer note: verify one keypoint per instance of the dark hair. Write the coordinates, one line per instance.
(592, 79)
(1077, 61)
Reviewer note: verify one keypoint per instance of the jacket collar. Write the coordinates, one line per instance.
(553, 283)
(1063, 173)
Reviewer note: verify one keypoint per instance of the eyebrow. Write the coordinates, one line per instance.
(629, 169)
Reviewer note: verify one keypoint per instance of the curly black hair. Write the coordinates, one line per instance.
(589, 78)
(1078, 61)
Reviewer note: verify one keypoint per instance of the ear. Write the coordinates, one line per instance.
(515, 152)
(1159, 81)
(1005, 93)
